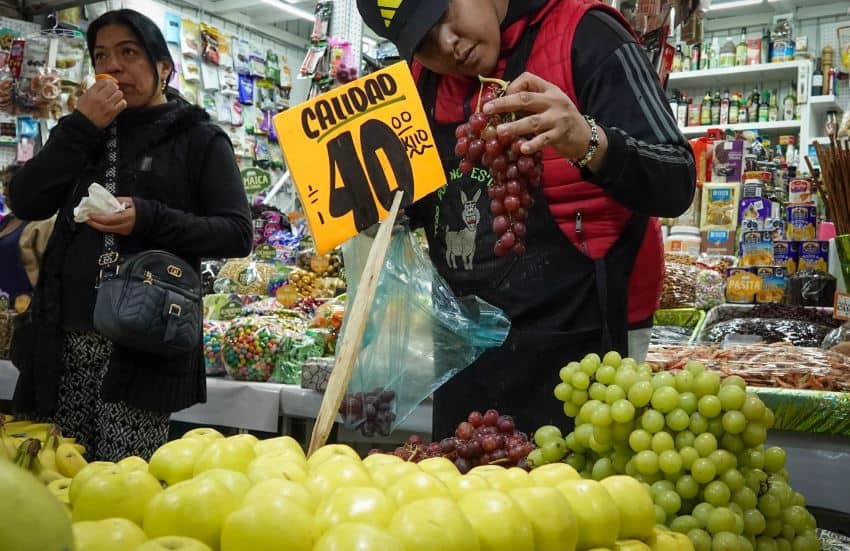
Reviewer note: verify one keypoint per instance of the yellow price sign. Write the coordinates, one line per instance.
(350, 150)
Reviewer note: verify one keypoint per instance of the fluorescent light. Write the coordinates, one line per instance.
(292, 10)
(734, 4)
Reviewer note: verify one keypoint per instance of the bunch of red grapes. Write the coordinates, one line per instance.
(483, 439)
(515, 175)
(370, 412)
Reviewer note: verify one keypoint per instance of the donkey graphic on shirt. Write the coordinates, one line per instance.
(461, 243)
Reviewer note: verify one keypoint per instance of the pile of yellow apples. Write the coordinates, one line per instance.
(208, 492)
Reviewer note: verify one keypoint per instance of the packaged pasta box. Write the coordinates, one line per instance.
(801, 222)
(774, 283)
(718, 242)
(719, 206)
(786, 254)
(742, 284)
(814, 255)
(756, 249)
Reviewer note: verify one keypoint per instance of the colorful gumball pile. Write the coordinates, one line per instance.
(213, 344)
(250, 348)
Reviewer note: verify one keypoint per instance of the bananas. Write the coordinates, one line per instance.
(28, 459)
(69, 461)
(41, 449)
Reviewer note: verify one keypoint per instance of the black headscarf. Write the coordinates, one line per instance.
(146, 31)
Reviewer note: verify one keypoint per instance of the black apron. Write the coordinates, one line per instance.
(562, 304)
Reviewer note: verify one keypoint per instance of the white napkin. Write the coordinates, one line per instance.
(99, 201)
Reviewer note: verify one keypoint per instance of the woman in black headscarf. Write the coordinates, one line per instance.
(178, 177)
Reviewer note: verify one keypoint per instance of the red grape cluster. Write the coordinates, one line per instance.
(483, 439)
(370, 412)
(515, 175)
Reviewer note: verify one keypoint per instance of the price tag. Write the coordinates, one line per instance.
(255, 180)
(351, 149)
(841, 306)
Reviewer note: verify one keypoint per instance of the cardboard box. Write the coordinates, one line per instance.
(719, 206)
(728, 162)
(718, 242)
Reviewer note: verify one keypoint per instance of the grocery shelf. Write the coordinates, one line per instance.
(821, 105)
(726, 77)
(777, 127)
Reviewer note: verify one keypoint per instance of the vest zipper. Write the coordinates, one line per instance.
(580, 232)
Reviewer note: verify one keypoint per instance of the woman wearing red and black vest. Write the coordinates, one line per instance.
(613, 158)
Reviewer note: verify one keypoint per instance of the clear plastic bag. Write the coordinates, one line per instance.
(838, 340)
(297, 349)
(251, 348)
(811, 288)
(414, 314)
(213, 344)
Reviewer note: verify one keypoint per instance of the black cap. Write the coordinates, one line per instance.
(405, 23)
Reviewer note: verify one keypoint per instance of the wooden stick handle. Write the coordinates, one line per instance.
(357, 315)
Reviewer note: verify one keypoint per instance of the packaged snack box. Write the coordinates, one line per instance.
(718, 242)
(786, 254)
(756, 249)
(774, 283)
(814, 255)
(802, 223)
(719, 206)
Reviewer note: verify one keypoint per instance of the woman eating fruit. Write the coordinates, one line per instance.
(175, 173)
(554, 183)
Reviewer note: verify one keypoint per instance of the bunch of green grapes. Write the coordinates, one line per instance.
(697, 441)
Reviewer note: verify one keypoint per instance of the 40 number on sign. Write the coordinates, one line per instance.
(350, 150)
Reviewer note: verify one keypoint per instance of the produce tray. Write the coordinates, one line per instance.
(808, 389)
(715, 314)
(689, 318)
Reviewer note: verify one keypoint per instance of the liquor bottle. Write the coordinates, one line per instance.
(743, 110)
(741, 49)
(705, 114)
(715, 108)
(705, 58)
(817, 79)
(677, 60)
(682, 111)
(764, 107)
(724, 108)
(696, 55)
(789, 105)
(727, 53)
(832, 81)
(734, 109)
(773, 107)
(754, 106)
(765, 45)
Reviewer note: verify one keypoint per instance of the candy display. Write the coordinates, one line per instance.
(679, 289)
(213, 344)
(247, 276)
(250, 348)
(297, 349)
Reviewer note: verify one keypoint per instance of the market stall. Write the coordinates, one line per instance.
(733, 435)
